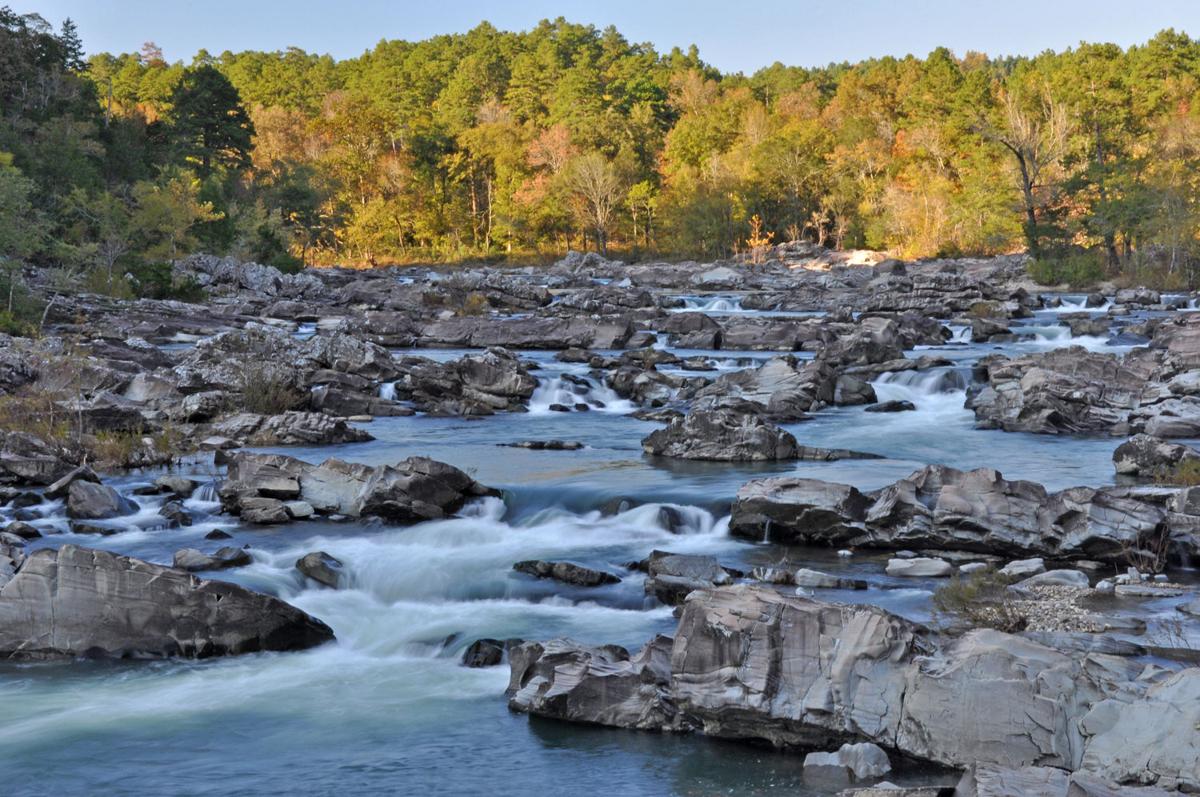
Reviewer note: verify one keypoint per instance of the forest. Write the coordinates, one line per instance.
(496, 145)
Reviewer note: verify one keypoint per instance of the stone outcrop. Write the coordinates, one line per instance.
(947, 509)
(74, 602)
(1146, 456)
(748, 662)
(411, 491)
(721, 436)
(565, 572)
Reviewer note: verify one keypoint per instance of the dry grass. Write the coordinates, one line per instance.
(475, 304)
(1185, 474)
(269, 390)
(981, 599)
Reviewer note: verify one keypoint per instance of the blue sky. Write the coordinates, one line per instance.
(734, 36)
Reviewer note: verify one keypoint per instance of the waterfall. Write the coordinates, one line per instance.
(576, 392)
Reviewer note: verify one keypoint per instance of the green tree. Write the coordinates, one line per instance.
(209, 126)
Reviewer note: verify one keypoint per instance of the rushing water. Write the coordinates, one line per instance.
(387, 709)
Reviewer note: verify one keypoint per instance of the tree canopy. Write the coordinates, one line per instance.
(494, 143)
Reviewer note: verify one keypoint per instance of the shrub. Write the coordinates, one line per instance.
(981, 599)
(268, 390)
(1184, 474)
(157, 281)
(987, 310)
(1079, 270)
(474, 304)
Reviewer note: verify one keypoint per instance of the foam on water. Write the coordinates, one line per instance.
(557, 389)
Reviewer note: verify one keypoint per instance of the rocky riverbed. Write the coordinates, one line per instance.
(343, 530)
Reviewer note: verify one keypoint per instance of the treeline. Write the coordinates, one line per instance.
(493, 144)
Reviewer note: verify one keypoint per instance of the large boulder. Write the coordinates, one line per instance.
(321, 568)
(565, 572)
(748, 662)
(88, 500)
(722, 436)
(1067, 390)
(942, 508)
(671, 577)
(74, 601)
(413, 490)
(1143, 455)
(783, 388)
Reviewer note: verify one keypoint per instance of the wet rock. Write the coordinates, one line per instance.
(941, 508)
(1143, 455)
(342, 402)
(74, 601)
(179, 486)
(321, 567)
(632, 685)
(488, 652)
(671, 576)
(721, 436)
(987, 329)
(748, 662)
(299, 510)
(783, 388)
(23, 530)
(1023, 568)
(1066, 578)
(413, 490)
(919, 567)
(27, 459)
(546, 445)
(193, 560)
(61, 488)
(892, 406)
(1069, 390)
(305, 428)
(850, 762)
(88, 500)
(263, 511)
(99, 529)
(850, 390)
(217, 534)
(792, 511)
(815, 579)
(566, 572)
(175, 514)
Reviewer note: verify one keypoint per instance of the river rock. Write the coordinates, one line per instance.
(814, 579)
(1067, 390)
(566, 572)
(487, 652)
(721, 436)
(87, 500)
(321, 568)
(175, 514)
(24, 531)
(672, 576)
(783, 388)
(76, 601)
(413, 490)
(892, 406)
(850, 762)
(179, 486)
(1143, 455)
(919, 567)
(1065, 578)
(192, 560)
(940, 508)
(61, 488)
(749, 662)
(1023, 568)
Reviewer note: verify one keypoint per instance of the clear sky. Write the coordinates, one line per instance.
(732, 35)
